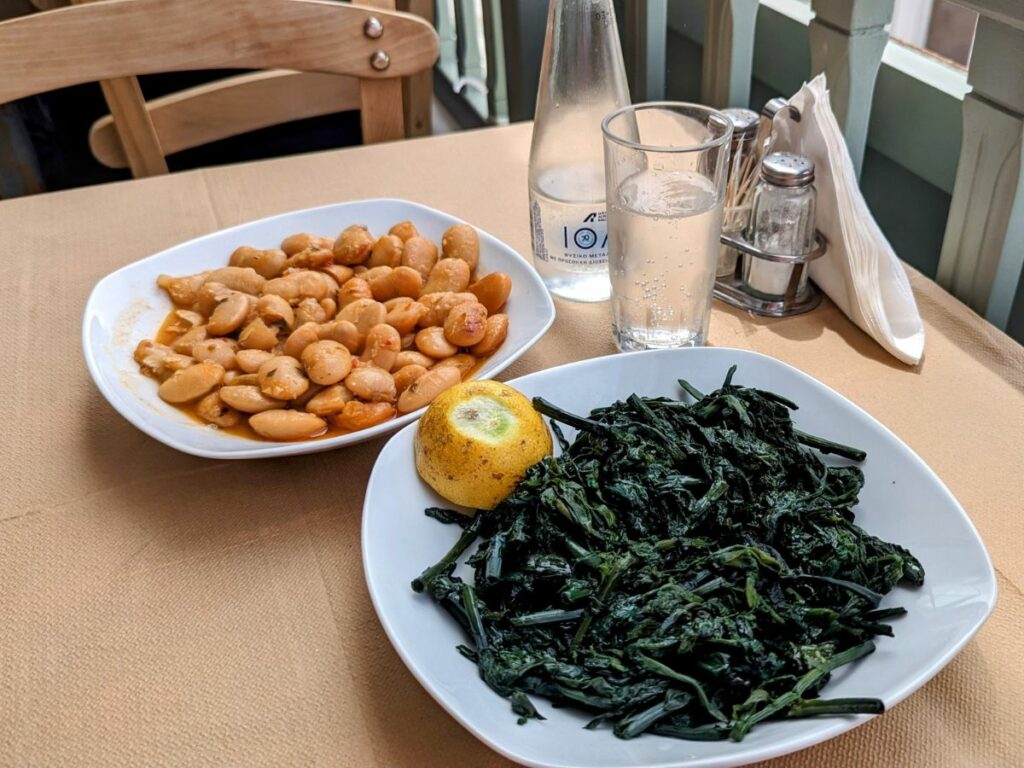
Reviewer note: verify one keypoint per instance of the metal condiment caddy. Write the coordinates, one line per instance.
(733, 290)
(763, 268)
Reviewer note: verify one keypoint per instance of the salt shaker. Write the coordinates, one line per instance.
(781, 222)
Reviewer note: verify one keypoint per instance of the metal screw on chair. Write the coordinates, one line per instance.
(373, 28)
(380, 60)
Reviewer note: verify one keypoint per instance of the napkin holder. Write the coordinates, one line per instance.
(734, 290)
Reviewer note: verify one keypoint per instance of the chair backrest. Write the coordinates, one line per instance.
(236, 105)
(110, 40)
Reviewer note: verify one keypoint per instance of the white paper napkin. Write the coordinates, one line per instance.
(860, 272)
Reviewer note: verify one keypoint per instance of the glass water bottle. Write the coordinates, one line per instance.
(582, 79)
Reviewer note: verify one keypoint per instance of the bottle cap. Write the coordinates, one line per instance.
(784, 169)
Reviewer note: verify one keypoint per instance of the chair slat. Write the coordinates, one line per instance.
(114, 38)
(418, 89)
(230, 107)
(381, 101)
(138, 139)
(134, 126)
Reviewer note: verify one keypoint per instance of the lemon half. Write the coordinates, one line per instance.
(476, 441)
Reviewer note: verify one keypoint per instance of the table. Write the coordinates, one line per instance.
(156, 607)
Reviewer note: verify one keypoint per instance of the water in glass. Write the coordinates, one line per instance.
(664, 227)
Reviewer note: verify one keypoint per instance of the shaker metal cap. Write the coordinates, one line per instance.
(744, 122)
(784, 169)
(772, 106)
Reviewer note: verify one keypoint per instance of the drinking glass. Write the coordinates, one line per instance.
(666, 165)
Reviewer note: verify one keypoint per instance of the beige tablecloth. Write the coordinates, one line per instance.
(157, 608)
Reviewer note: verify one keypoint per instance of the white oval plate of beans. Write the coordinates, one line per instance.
(310, 330)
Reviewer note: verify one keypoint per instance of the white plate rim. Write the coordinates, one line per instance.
(786, 746)
(261, 450)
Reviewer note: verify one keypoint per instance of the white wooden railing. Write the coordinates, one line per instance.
(472, 59)
(983, 249)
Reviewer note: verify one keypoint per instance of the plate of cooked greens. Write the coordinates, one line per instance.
(722, 561)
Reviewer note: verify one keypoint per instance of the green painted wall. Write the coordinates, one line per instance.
(911, 212)
(682, 67)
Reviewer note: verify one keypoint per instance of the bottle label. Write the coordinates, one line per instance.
(571, 235)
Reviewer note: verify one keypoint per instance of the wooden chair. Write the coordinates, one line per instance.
(113, 40)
